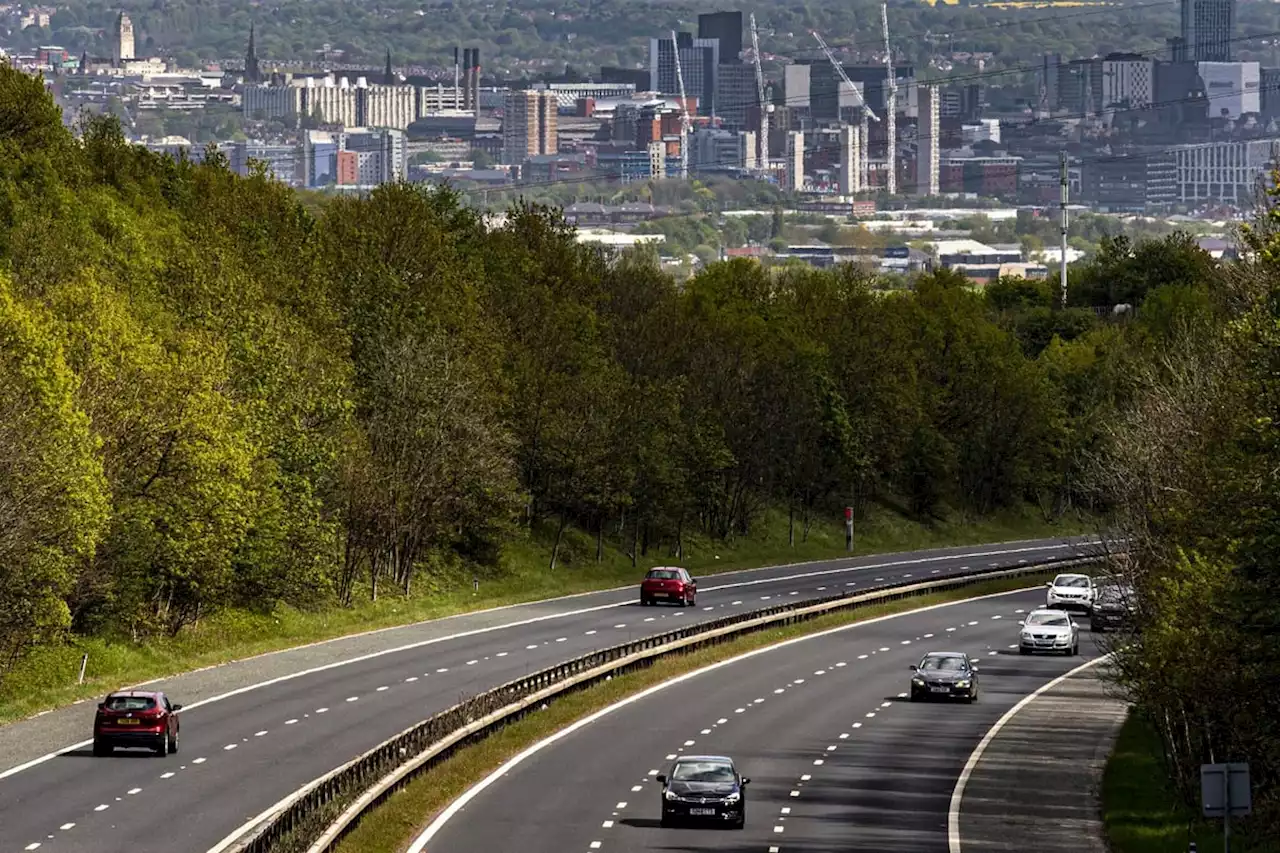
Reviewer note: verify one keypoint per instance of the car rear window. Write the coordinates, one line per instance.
(130, 703)
(663, 575)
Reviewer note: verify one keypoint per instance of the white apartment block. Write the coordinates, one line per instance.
(1222, 172)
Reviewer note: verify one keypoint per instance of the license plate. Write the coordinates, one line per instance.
(941, 689)
(659, 595)
(127, 722)
(702, 812)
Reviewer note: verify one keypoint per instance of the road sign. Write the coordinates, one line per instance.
(1224, 789)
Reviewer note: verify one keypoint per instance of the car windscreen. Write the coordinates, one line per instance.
(1053, 619)
(663, 575)
(702, 771)
(1074, 581)
(942, 664)
(130, 703)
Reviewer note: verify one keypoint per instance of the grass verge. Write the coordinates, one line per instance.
(1140, 810)
(398, 820)
(48, 677)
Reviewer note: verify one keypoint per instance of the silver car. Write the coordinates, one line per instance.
(1046, 630)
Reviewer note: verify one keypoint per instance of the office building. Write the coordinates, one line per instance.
(699, 66)
(736, 93)
(1232, 88)
(1128, 81)
(1222, 172)
(1208, 27)
(529, 126)
(725, 27)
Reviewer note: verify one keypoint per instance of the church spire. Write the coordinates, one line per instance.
(252, 74)
(389, 76)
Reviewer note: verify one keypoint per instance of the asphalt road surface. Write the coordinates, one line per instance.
(839, 760)
(258, 729)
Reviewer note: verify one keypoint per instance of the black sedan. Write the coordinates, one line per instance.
(1113, 608)
(944, 675)
(704, 788)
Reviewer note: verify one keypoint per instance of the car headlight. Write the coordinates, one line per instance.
(733, 798)
(918, 681)
(1026, 635)
(671, 797)
(964, 683)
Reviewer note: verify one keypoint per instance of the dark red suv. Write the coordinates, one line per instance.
(671, 584)
(136, 718)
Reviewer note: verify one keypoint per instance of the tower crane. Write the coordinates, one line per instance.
(891, 105)
(862, 104)
(684, 112)
(766, 105)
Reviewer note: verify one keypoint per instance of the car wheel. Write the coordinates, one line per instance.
(1023, 650)
(102, 748)
(693, 602)
(740, 824)
(173, 744)
(161, 749)
(665, 822)
(972, 697)
(1075, 648)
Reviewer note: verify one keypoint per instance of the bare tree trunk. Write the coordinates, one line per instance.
(635, 542)
(791, 524)
(808, 520)
(374, 566)
(680, 538)
(555, 548)
(600, 540)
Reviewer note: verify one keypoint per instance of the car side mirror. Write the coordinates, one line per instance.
(662, 778)
(746, 780)
(913, 668)
(1075, 624)
(102, 706)
(974, 670)
(1022, 622)
(1049, 584)
(177, 707)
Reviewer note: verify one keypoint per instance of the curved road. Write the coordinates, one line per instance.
(839, 760)
(256, 730)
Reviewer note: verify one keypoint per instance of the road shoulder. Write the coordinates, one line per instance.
(1038, 783)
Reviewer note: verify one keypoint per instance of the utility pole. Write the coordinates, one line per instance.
(1062, 261)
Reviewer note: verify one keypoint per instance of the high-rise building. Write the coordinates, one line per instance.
(1127, 79)
(928, 133)
(726, 27)
(529, 125)
(699, 66)
(795, 161)
(736, 92)
(1208, 27)
(850, 177)
(124, 39)
(1232, 88)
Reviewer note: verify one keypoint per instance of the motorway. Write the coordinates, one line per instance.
(256, 730)
(839, 759)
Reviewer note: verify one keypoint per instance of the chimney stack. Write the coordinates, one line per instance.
(475, 79)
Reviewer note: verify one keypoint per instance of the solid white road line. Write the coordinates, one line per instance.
(957, 794)
(419, 844)
(13, 771)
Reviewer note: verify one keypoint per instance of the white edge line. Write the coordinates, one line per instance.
(13, 771)
(957, 794)
(419, 844)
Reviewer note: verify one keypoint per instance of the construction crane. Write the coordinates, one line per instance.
(862, 104)
(766, 105)
(891, 106)
(685, 124)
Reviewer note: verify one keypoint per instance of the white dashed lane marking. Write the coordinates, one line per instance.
(168, 775)
(101, 808)
(230, 746)
(608, 824)
(133, 791)
(66, 826)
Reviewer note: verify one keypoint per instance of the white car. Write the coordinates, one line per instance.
(1046, 630)
(1071, 592)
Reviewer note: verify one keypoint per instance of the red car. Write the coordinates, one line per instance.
(669, 583)
(136, 718)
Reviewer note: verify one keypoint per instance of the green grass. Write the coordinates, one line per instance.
(1141, 812)
(47, 678)
(398, 819)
